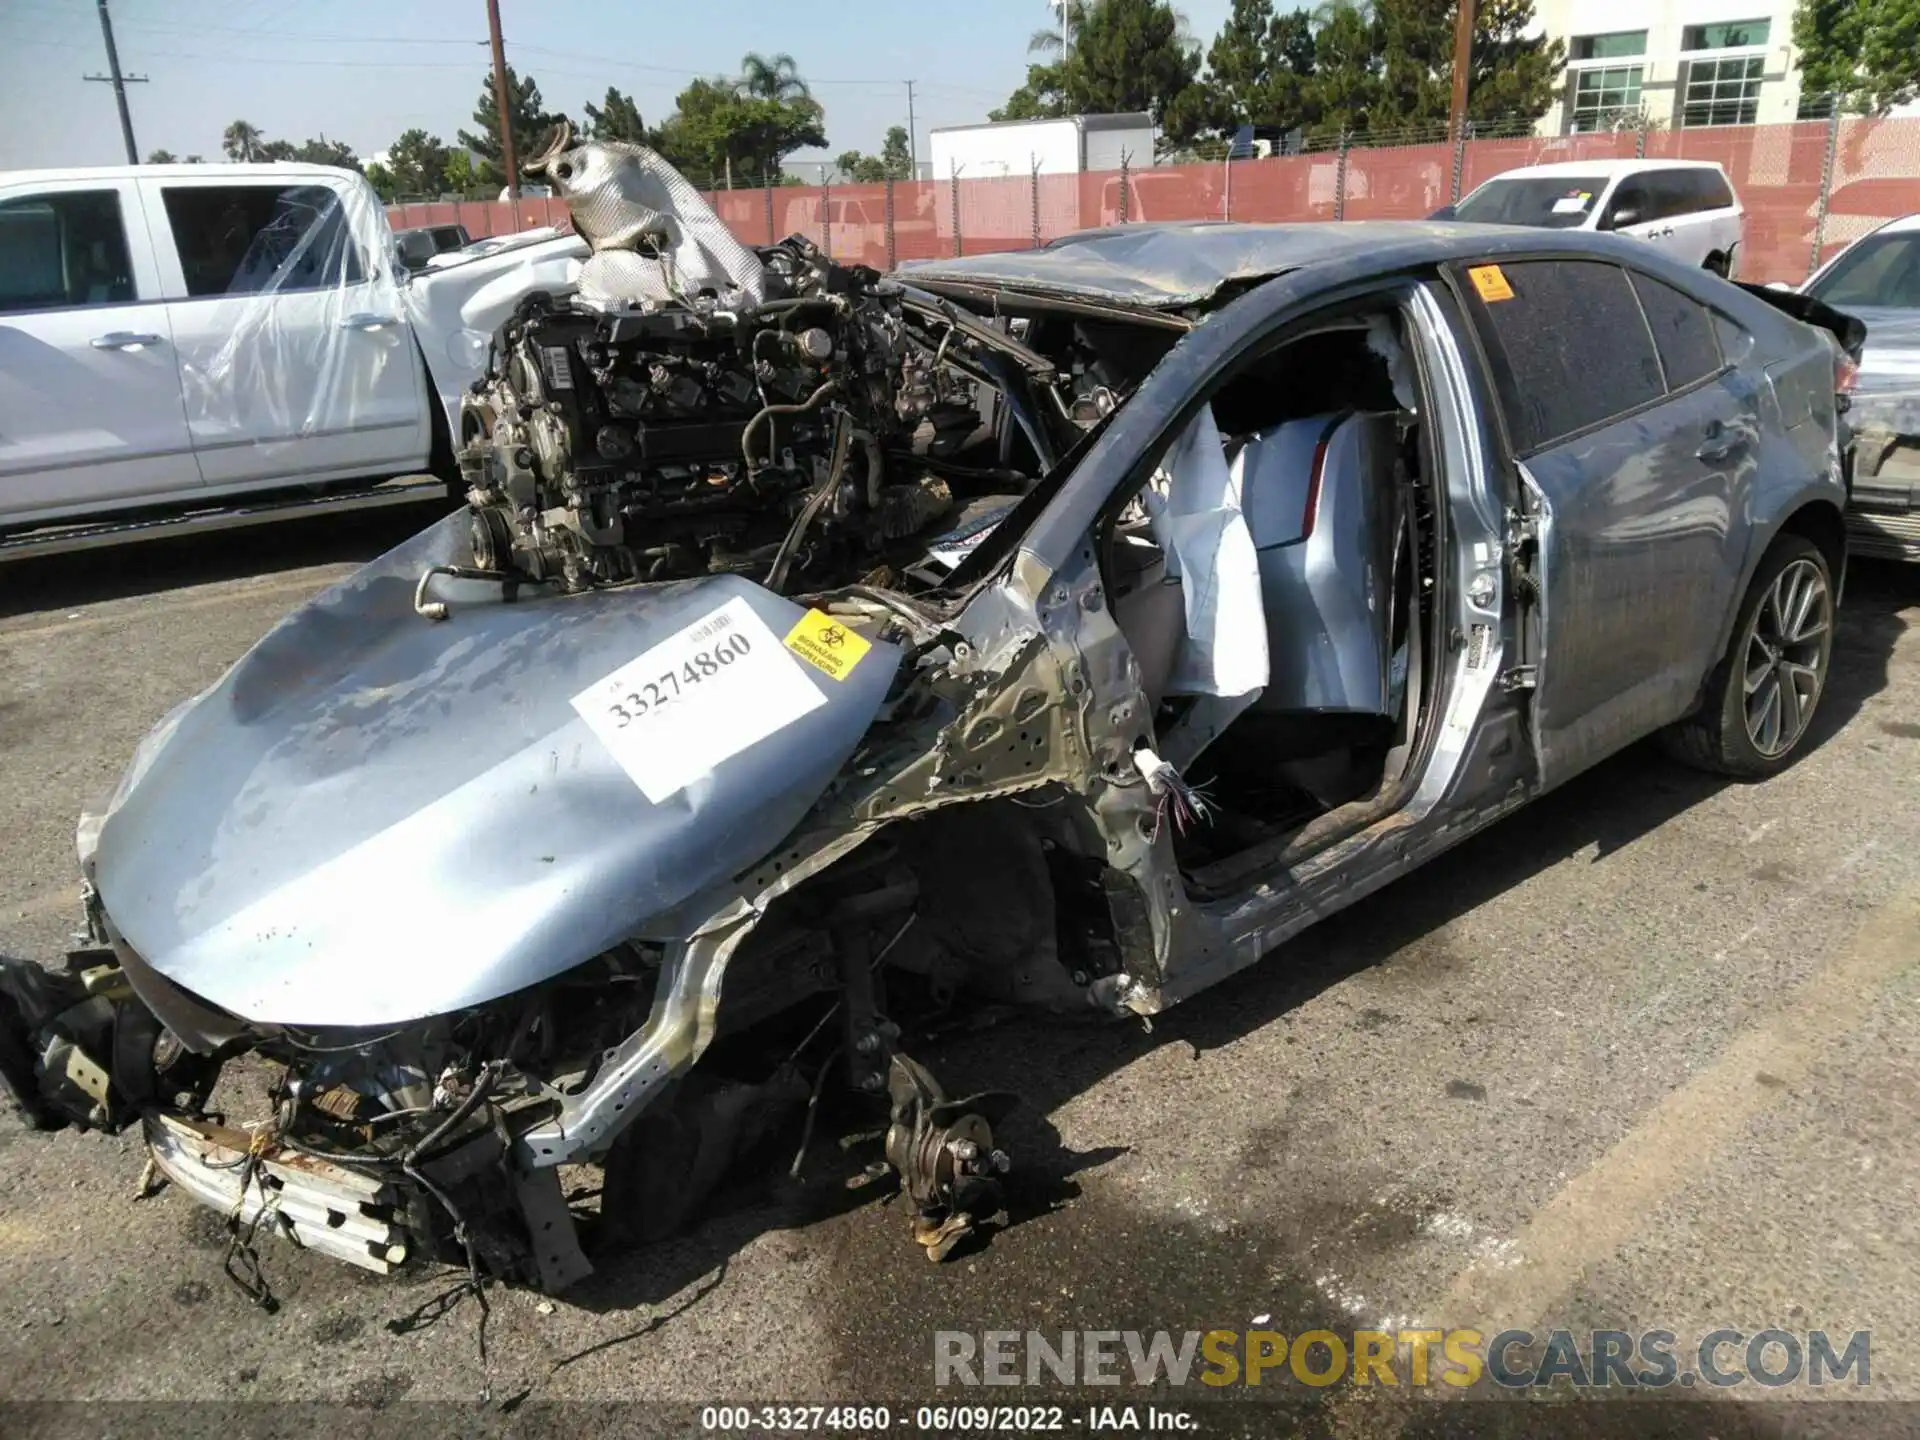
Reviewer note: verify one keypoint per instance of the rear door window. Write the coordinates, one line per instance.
(1567, 344)
(1682, 332)
(1713, 192)
(1673, 194)
(250, 239)
(65, 251)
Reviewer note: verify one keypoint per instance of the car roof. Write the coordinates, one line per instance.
(1609, 168)
(1173, 264)
(214, 171)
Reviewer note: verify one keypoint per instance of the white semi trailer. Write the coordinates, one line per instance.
(1071, 145)
(1007, 153)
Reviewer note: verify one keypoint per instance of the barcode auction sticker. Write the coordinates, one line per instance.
(826, 644)
(701, 696)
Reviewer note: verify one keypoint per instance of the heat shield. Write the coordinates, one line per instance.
(654, 239)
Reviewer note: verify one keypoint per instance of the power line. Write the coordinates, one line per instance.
(608, 64)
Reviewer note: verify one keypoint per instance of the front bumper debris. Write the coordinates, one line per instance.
(314, 1203)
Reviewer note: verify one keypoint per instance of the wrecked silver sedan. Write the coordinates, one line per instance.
(819, 648)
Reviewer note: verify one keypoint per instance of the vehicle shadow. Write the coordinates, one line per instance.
(147, 567)
(1051, 1060)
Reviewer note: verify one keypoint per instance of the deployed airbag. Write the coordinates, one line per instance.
(1193, 502)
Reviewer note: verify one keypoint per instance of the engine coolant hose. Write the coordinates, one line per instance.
(768, 412)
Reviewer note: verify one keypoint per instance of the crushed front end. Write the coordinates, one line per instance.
(398, 919)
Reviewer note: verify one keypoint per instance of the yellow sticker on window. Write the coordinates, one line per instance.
(1491, 284)
(827, 644)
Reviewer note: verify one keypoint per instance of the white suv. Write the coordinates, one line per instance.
(1684, 206)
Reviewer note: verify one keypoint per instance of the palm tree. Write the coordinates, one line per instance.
(772, 77)
(1055, 41)
(241, 141)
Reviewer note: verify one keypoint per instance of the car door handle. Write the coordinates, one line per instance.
(1666, 232)
(369, 322)
(122, 340)
(1723, 442)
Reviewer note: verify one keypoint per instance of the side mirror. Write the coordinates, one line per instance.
(1623, 218)
(413, 250)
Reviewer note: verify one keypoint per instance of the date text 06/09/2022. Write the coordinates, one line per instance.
(946, 1419)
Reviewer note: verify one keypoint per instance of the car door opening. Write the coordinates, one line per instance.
(1332, 499)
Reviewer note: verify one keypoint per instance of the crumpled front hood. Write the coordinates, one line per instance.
(372, 818)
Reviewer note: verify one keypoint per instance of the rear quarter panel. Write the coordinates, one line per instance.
(1797, 463)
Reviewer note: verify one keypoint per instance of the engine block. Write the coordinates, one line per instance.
(655, 442)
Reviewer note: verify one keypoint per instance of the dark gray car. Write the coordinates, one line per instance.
(1069, 627)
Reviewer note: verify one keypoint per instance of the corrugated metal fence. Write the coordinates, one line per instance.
(1808, 187)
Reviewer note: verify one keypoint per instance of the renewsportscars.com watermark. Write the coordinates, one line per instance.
(1514, 1359)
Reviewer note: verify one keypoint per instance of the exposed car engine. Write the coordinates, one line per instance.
(651, 428)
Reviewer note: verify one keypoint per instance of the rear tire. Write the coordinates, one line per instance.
(1717, 263)
(1761, 697)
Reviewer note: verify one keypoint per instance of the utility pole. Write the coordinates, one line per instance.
(119, 83)
(913, 142)
(1462, 65)
(500, 104)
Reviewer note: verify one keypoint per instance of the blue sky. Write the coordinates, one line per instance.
(364, 70)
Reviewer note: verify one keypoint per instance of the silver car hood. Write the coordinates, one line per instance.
(372, 818)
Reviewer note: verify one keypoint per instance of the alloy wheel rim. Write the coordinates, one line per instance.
(1785, 658)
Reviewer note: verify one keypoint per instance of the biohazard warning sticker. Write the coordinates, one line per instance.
(1490, 282)
(827, 644)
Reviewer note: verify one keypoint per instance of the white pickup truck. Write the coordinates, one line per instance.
(195, 335)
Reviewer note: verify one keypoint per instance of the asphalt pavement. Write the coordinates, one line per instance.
(1644, 1056)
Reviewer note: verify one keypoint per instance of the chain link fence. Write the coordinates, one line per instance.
(1809, 187)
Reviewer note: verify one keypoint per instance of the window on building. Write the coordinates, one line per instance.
(1608, 47)
(1727, 35)
(1721, 92)
(1604, 97)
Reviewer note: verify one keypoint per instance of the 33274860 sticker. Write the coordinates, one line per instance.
(701, 696)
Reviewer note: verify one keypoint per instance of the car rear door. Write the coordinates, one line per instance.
(90, 410)
(296, 358)
(1715, 221)
(1631, 485)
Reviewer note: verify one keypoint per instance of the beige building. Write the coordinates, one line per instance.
(1672, 63)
